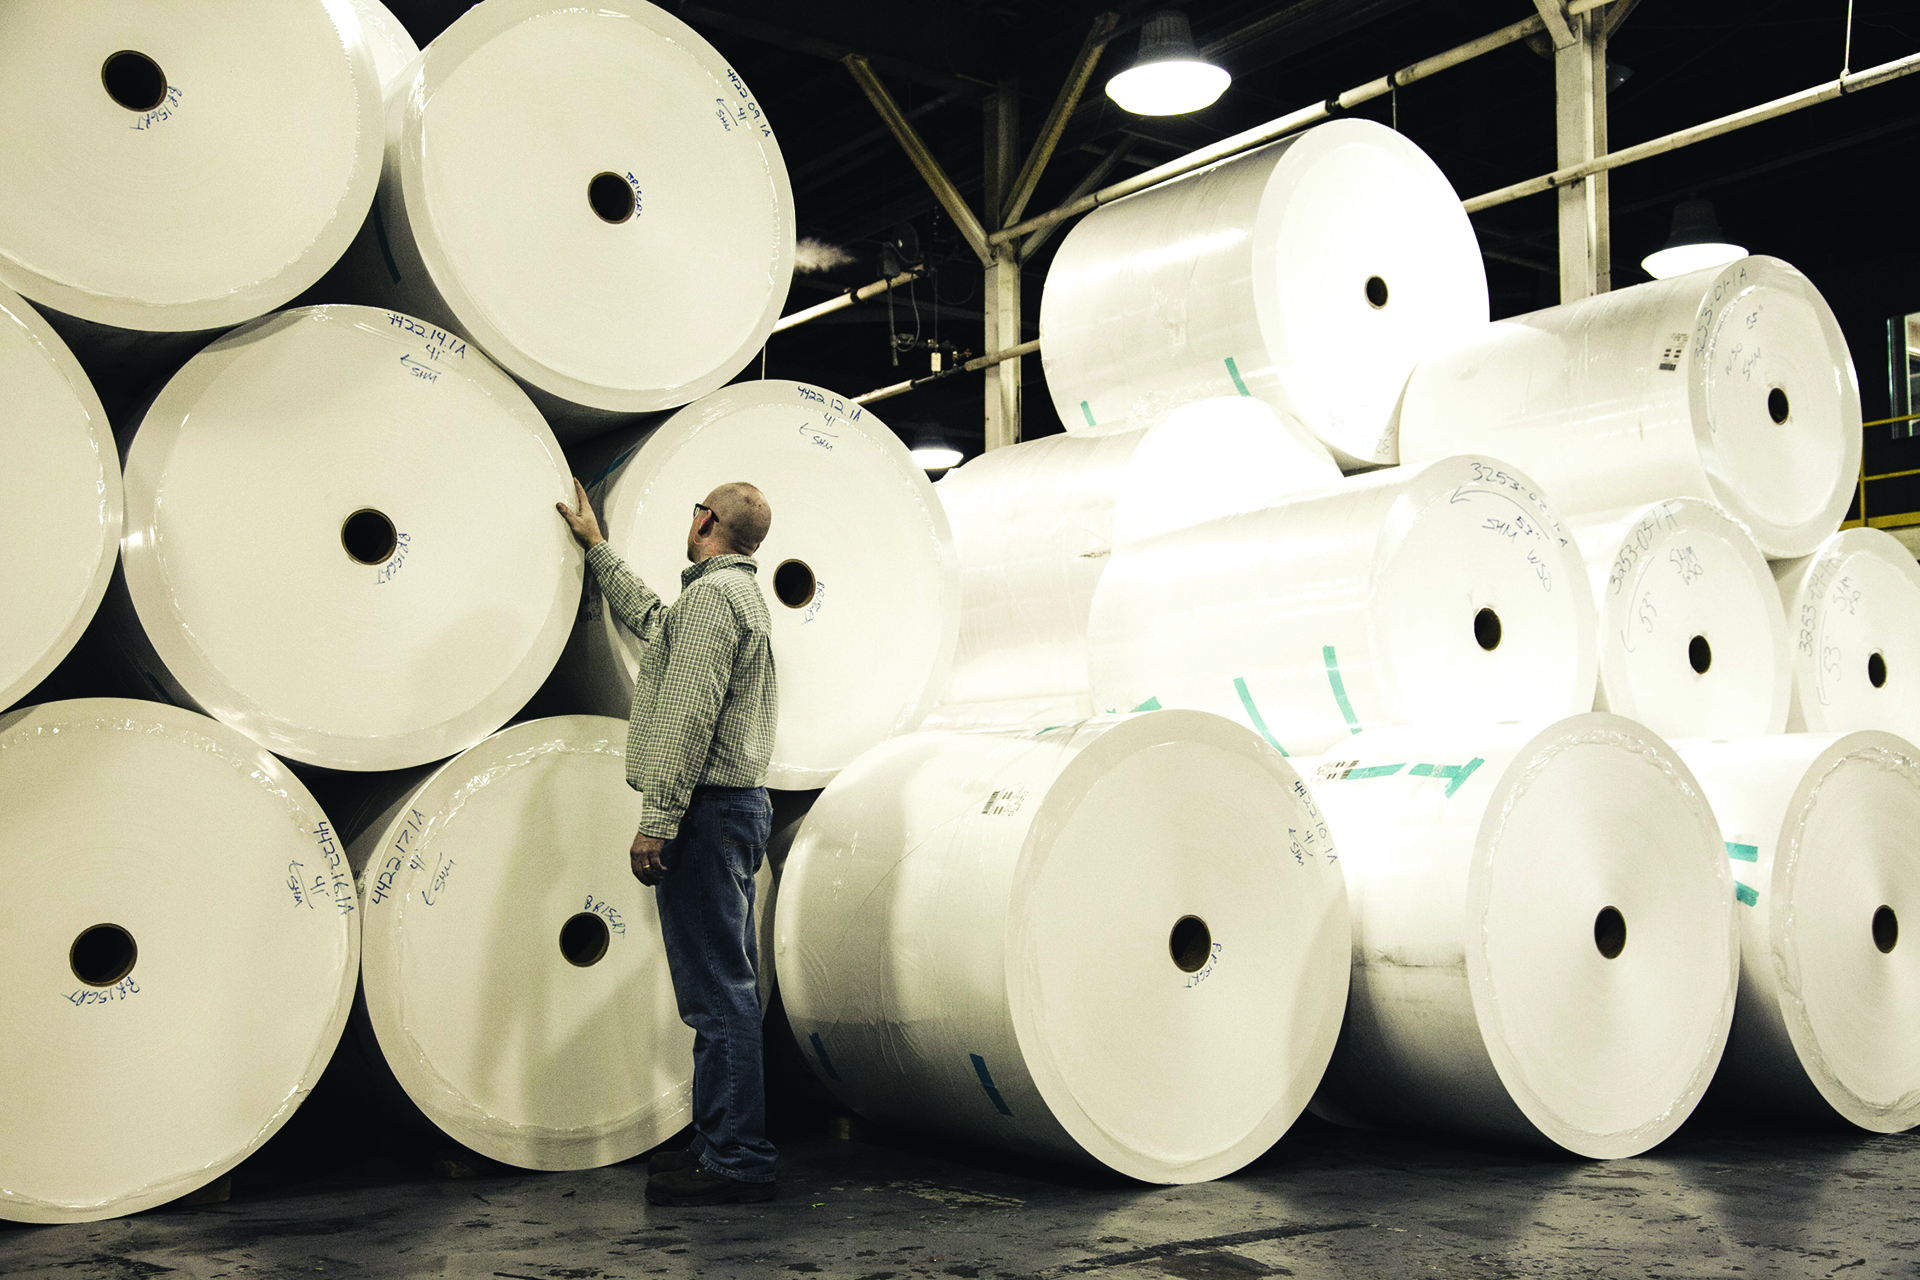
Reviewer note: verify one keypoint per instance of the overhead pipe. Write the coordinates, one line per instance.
(972, 366)
(848, 299)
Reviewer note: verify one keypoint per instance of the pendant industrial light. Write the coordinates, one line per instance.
(931, 452)
(1168, 76)
(1695, 243)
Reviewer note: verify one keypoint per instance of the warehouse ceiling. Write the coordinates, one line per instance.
(1819, 188)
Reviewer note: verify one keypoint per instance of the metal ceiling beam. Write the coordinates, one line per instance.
(964, 219)
(1055, 124)
(1095, 176)
(781, 37)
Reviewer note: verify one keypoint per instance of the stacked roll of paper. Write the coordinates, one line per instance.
(1445, 594)
(1823, 835)
(590, 195)
(514, 981)
(1732, 384)
(387, 40)
(341, 540)
(858, 568)
(1312, 273)
(174, 168)
(178, 930)
(1035, 525)
(1853, 619)
(60, 501)
(1692, 643)
(1544, 947)
(1121, 943)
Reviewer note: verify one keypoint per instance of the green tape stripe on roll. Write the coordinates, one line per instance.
(986, 1082)
(1744, 852)
(1239, 383)
(1339, 687)
(1376, 771)
(1087, 411)
(1151, 704)
(1746, 893)
(1454, 773)
(1253, 713)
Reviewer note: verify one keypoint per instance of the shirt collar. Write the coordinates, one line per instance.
(712, 563)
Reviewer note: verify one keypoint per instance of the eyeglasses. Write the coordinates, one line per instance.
(698, 507)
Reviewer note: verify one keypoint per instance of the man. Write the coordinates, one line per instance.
(699, 736)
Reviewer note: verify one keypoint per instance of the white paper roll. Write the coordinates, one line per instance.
(1544, 947)
(60, 499)
(1123, 942)
(1447, 594)
(858, 569)
(1853, 619)
(1823, 835)
(387, 40)
(592, 196)
(1311, 273)
(178, 931)
(1034, 525)
(514, 978)
(1692, 643)
(341, 540)
(1732, 385)
(181, 165)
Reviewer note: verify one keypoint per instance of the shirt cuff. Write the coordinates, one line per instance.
(658, 823)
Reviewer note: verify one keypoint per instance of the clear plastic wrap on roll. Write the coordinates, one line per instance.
(1823, 834)
(1853, 620)
(1448, 593)
(592, 196)
(514, 981)
(341, 540)
(1035, 523)
(180, 941)
(858, 569)
(1544, 945)
(387, 40)
(1732, 384)
(1312, 273)
(1692, 643)
(60, 499)
(174, 168)
(1121, 943)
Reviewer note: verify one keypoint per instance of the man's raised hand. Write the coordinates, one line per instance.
(580, 519)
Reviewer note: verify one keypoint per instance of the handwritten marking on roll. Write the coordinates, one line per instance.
(414, 825)
(337, 881)
(634, 182)
(600, 907)
(1206, 971)
(402, 542)
(819, 598)
(159, 114)
(119, 991)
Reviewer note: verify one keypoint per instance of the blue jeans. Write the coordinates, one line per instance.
(706, 921)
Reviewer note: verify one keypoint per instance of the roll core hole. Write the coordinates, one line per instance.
(1777, 405)
(134, 80)
(794, 584)
(1886, 929)
(611, 197)
(1699, 654)
(1486, 629)
(1191, 943)
(1876, 669)
(368, 536)
(1610, 932)
(583, 939)
(104, 954)
(1376, 292)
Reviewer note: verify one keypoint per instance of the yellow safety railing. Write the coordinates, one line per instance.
(1904, 518)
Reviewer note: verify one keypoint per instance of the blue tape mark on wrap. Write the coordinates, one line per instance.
(1087, 411)
(1746, 893)
(1253, 713)
(986, 1082)
(1234, 371)
(1744, 852)
(1339, 687)
(380, 234)
(820, 1052)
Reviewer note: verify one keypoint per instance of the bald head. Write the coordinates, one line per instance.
(742, 514)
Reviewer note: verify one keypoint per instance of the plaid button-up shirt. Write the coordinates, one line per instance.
(704, 698)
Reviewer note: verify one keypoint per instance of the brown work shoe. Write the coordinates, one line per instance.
(701, 1185)
(671, 1161)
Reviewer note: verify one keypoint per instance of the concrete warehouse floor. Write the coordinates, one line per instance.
(1715, 1200)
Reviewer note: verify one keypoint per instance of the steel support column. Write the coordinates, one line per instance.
(1001, 299)
(1580, 118)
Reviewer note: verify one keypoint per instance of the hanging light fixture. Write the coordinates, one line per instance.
(1695, 243)
(931, 452)
(1168, 76)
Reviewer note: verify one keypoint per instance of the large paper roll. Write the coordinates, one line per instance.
(341, 540)
(1731, 384)
(1544, 947)
(1122, 942)
(1448, 594)
(514, 980)
(592, 196)
(1853, 619)
(178, 931)
(858, 569)
(60, 502)
(1823, 834)
(1035, 524)
(387, 40)
(181, 166)
(1311, 273)
(1692, 643)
